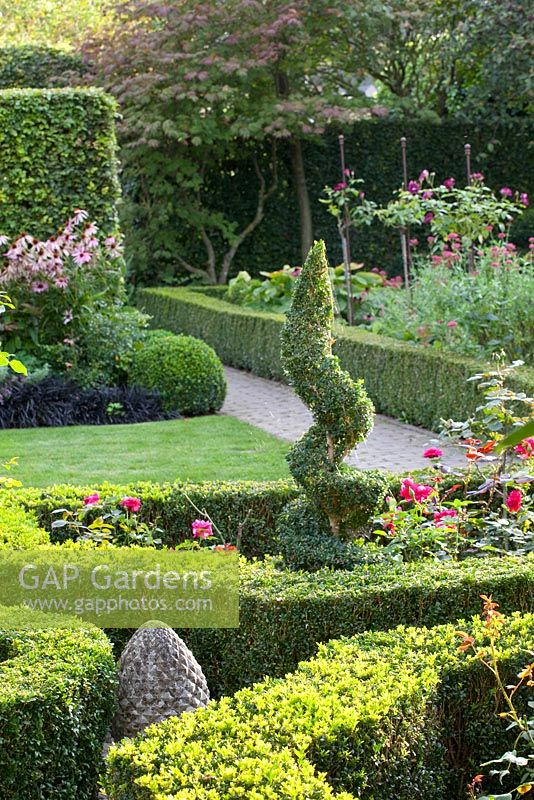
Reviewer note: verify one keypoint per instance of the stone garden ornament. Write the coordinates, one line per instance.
(158, 678)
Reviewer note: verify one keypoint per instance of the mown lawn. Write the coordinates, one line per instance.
(198, 449)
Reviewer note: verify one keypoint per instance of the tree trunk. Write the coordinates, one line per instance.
(299, 178)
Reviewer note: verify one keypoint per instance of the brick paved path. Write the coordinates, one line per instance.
(274, 407)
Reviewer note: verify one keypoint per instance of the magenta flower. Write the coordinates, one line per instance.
(61, 283)
(452, 324)
(429, 216)
(296, 272)
(433, 452)
(445, 517)
(526, 448)
(449, 183)
(413, 187)
(506, 191)
(132, 504)
(340, 186)
(202, 529)
(523, 199)
(423, 176)
(414, 242)
(427, 194)
(477, 176)
(514, 501)
(91, 499)
(414, 491)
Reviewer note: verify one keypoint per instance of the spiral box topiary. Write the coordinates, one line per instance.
(343, 498)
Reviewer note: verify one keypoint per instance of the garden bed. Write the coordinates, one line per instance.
(408, 382)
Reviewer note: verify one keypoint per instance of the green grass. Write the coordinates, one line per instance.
(198, 449)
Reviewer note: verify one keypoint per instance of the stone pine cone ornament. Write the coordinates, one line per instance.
(158, 678)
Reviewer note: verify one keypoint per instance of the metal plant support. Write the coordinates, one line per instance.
(405, 232)
(344, 230)
(471, 254)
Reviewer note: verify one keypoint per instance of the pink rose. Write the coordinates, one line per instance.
(447, 514)
(132, 504)
(514, 501)
(91, 499)
(433, 452)
(414, 491)
(526, 448)
(202, 529)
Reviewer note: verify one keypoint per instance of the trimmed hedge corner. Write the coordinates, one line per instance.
(19, 529)
(58, 153)
(58, 695)
(374, 717)
(408, 382)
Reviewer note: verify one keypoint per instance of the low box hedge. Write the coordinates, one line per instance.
(57, 698)
(383, 715)
(19, 528)
(284, 615)
(409, 382)
(245, 511)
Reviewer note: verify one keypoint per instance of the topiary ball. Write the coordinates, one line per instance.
(186, 371)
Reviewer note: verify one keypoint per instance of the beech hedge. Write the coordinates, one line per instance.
(409, 382)
(401, 714)
(57, 699)
(58, 153)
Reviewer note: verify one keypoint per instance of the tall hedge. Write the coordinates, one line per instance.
(502, 152)
(410, 382)
(57, 153)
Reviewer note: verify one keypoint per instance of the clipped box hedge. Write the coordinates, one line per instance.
(245, 511)
(56, 702)
(376, 716)
(58, 153)
(284, 615)
(409, 382)
(19, 529)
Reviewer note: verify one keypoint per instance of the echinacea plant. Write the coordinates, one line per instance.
(57, 283)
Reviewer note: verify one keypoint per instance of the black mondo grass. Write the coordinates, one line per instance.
(55, 402)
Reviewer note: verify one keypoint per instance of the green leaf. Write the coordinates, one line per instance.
(517, 436)
(18, 367)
